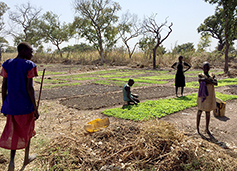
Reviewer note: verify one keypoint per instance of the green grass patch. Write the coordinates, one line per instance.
(50, 73)
(192, 84)
(159, 108)
(84, 78)
(119, 75)
(123, 74)
(51, 81)
(193, 72)
(111, 83)
(223, 82)
(158, 77)
(109, 71)
(128, 70)
(78, 77)
(116, 75)
(201, 71)
(163, 77)
(228, 81)
(60, 85)
(119, 83)
(139, 80)
(217, 73)
(225, 97)
(72, 76)
(126, 73)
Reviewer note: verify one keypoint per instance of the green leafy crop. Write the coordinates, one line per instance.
(139, 80)
(223, 82)
(159, 108)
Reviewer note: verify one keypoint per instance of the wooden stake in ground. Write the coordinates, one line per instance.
(41, 85)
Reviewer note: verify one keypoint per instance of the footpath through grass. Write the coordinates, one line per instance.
(159, 108)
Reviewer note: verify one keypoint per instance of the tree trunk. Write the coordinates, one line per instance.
(154, 54)
(61, 55)
(0, 54)
(220, 46)
(101, 51)
(102, 56)
(128, 48)
(226, 69)
(226, 40)
(154, 58)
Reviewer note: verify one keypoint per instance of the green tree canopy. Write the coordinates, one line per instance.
(78, 48)
(11, 49)
(215, 26)
(229, 16)
(204, 42)
(53, 31)
(186, 47)
(96, 22)
(146, 44)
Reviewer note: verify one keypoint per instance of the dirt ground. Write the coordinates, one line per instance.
(69, 108)
(90, 99)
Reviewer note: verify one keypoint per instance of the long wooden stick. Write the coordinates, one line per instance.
(41, 85)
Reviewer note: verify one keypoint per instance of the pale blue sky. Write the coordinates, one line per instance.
(186, 15)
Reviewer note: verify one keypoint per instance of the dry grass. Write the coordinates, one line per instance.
(3, 162)
(156, 145)
(121, 58)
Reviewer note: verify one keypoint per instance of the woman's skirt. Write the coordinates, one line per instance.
(18, 131)
(179, 80)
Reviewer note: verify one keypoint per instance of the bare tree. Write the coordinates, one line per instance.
(129, 29)
(152, 28)
(24, 17)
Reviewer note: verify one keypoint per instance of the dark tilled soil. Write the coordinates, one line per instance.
(104, 97)
(68, 92)
(231, 89)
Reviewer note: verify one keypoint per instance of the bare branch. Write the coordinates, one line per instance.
(151, 27)
(128, 30)
(23, 16)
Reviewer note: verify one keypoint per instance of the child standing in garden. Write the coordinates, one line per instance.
(206, 100)
(18, 103)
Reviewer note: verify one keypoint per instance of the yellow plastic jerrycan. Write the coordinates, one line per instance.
(220, 108)
(96, 124)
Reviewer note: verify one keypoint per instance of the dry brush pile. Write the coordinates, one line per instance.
(156, 145)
